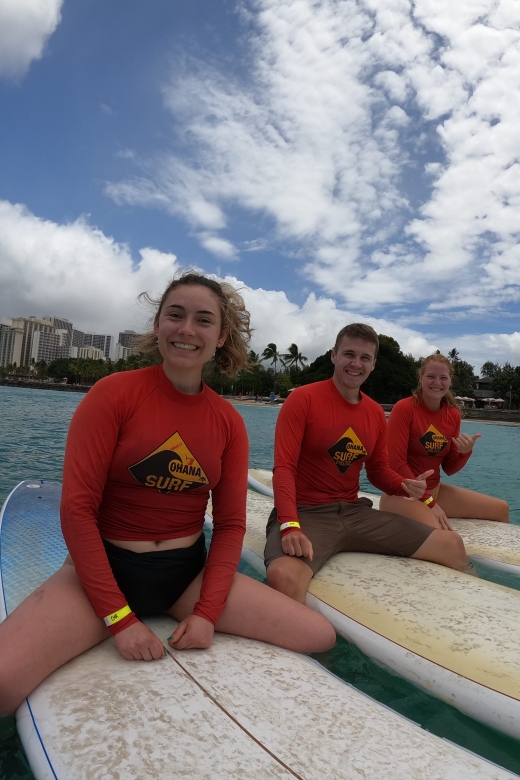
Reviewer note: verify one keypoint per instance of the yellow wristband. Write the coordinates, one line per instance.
(291, 524)
(115, 617)
(429, 500)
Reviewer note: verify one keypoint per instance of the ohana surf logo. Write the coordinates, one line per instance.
(433, 441)
(347, 450)
(171, 467)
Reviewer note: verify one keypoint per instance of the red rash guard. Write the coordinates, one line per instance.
(140, 461)
(419, 440)
(321, 443)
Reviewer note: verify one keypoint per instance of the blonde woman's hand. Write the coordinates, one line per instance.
(440, 515)
(465, 443)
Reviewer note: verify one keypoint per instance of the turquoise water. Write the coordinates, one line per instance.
(32, 442)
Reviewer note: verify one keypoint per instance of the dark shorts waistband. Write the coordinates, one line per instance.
(156, 556)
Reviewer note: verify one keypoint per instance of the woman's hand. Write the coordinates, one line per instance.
(416, 488)
(139, 643)
(296, 543)
(440, 515)
(465, 443)
(193, 631)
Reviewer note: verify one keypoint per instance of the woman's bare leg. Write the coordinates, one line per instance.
(54, 624)
(256, 611)
(459, 502)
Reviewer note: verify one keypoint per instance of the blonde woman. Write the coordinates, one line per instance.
(424, 432)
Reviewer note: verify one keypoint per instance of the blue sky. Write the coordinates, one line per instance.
(342, 160)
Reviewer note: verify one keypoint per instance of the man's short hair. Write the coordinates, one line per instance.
(358, 330)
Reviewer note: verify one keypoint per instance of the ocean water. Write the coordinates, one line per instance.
(33, 427)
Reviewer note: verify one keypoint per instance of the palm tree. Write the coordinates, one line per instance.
(292, 357)
(271, 353)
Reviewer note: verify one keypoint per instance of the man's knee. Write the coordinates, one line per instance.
(280, 575)
(290, 576)
(444, 547)
(455, 547)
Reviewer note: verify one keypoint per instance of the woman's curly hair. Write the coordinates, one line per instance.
(232, 356)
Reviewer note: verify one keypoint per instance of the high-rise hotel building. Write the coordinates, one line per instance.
(28, 340)
(17, 339)
(126, 344)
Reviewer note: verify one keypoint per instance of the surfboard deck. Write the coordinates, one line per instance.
(241, 709)
(495, 545)
(452, 634)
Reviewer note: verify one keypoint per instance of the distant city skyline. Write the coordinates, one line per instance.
(27, 340)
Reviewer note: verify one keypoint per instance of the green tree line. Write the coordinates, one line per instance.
(394, 377)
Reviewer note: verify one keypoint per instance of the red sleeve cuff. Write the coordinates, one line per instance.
(201, 613)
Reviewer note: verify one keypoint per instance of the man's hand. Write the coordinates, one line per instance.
(296, 543)
(465, 443)
(194, 631)
(416, 487)
(139, 643)
(440, 515)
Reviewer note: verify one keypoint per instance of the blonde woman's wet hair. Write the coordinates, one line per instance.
(449, 398)
(232, 356)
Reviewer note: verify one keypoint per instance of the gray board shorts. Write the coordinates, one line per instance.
(348, 527)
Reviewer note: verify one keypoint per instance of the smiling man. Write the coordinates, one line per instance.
(325, 433)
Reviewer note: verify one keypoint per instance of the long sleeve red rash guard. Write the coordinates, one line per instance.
(419, 440)
(321, 443)
(140, 460)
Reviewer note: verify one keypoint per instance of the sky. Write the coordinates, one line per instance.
(338, 160)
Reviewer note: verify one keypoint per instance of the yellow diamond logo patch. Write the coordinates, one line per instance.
(171, 467)
(433, 441)
(347, 450)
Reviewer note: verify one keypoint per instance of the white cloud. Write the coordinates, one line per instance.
(331, 121)
(126, 154)
(75, 271)
(25, 27)
(218, 246)
(106, 109)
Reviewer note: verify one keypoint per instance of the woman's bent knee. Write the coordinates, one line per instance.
(9, 700)
(326, 638)
(503, 510)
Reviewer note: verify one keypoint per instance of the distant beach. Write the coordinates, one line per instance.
(492, 416)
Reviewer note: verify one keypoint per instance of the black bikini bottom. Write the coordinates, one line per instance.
(153, 581)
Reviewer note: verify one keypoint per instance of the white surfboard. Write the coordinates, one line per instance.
(453, 635)
(492, 544)
(241, 709)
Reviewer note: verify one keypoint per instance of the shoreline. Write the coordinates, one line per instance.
(491, 417)
(29, 385)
